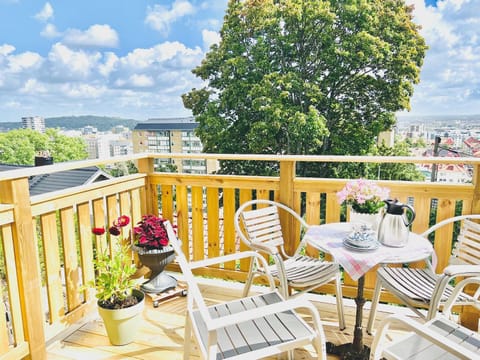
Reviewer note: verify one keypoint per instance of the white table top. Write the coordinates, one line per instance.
(329, 238)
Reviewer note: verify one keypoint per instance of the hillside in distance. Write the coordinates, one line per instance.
(102, 123)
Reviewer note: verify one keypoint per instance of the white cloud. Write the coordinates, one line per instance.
(50, 31)
(24, 61)
(210, 38)
(450, 76)
(161, 54)
(12, 104)
(146, 82)
(160, 17)
(33, 87)
(94, 36)
(6, 49)
(83, 91)
(109, 65)
(141, 80)
(46, 13)
(66, 63)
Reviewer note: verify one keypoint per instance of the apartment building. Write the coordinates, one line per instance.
(36, 123)
(172, 135)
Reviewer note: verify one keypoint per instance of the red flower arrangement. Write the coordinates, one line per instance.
(115, 229)
(150, 233)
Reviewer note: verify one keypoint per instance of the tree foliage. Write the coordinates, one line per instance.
(396, 171)
(305, 77)
(20, 146)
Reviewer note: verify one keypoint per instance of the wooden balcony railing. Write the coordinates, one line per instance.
(47, 246)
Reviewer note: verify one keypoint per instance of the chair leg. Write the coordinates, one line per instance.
(339, 300)
(248, 282)
(373, 309)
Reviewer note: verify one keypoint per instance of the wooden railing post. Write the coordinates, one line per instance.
(470, 317)
(28, 268)
(286, 197)
(150, 205)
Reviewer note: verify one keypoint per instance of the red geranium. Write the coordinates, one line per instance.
(115, 228)
(98, 231)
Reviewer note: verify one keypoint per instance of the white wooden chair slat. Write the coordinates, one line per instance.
(467, 243)
(257, 222)
(259, 213)
(439, 338)
(248, 328)
(266, 235)
(422, 287)
(256, 226)
(470, 237)
(468, 258)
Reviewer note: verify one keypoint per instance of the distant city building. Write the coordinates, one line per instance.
(120, 147)
(473, 145)
(120, 129)
(102, 146)
(92, 146)
(172, 135)
(89, 130)
(416, 131)
(36, 123)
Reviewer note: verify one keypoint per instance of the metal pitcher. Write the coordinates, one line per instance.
(393, 229)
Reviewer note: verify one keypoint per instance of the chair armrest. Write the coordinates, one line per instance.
(462, 270)
(421, 330)
(232, 257)
(447, 309)
(271, 250)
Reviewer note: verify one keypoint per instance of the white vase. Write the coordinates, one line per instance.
(372, 220)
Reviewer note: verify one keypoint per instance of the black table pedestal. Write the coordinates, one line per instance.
(355, 350)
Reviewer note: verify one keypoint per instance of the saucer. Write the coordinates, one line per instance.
(371, 245)
(365, 239)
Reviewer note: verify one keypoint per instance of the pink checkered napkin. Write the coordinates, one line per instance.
(356, 263)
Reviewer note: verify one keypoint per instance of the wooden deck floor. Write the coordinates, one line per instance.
(161, 334)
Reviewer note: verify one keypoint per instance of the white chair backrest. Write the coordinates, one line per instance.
(263, 226)
(467, 248)
(194, 296)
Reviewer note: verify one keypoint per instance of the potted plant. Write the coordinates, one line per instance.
(365, 199)
(151, 245)
(120, 304)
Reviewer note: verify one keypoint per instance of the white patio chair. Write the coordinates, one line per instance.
(260, 230)
(439, 338)
(249, 328)
(423, 288)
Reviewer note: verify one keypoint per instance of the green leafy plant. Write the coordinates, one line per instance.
(150, 233)
(114, 283)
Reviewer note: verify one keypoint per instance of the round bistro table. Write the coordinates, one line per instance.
(329, 238)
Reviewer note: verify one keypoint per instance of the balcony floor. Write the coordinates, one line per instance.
(161, 334)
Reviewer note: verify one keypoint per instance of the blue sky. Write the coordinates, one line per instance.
(133, 58)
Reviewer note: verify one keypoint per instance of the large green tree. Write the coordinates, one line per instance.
(20, 146)
(306, 77)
